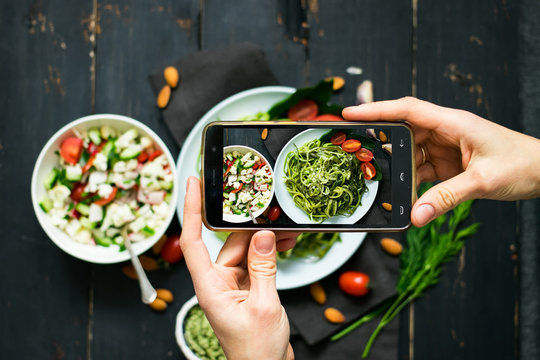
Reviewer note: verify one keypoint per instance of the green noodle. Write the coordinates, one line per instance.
(324, 180)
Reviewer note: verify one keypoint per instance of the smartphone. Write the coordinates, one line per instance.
(307, 176)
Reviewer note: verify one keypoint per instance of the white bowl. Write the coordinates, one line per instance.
(233, 218)
(179, 329)
(47, 160)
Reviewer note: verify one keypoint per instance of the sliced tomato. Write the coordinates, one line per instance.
(364, 155)
(71, 149)
(89, 164)
(369, 170)
(351, 145)
(237, 190)
(305, 109)
(143, 156)
(228, 171)
(338, 138)
(154, 155)
(105, 201)
(78, 193)
(328, 117)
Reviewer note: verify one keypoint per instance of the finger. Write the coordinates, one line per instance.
(285, 244)
(235, 249)
(262, 267)
(443, 197)
(425, 173)
(280, 235)
(417, 112)
(421, 155)
(195, 252)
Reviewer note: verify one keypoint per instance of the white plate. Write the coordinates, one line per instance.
(285, 199)
(291, 273)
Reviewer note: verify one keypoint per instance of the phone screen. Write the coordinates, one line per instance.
(334, 176)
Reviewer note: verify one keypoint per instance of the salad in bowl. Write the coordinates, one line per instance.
(247, 183)
(103, 179)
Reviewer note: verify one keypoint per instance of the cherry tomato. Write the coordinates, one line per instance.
(369, 170)
(354, 283)
(228, 170)
(351, 145)
(338, 138)
(328, 117)
(154, 155)
(143, 156)
(305, 109)
(77, 192)
(70, 150)
(105, 201)
(237, 190)
(274, 213)
(364, 155)
(171, 251)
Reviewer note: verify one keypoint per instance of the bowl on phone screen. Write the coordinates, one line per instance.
(248, 177)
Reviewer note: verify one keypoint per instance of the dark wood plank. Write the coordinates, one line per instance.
(373, 36)
(467, 59)
(276, 27)
(44, 67)
(529, 247)
(135, 39)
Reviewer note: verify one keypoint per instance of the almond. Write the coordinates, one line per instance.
(391, 246)
(383, 137)
(334, 315)
(264, 134)
(129, 271)
(165, 295)
(163, 97)
(387, 206)
(156, 249)
(158, 305)
(338, 83)
(317, 293)
(171, 76)
(148, 263)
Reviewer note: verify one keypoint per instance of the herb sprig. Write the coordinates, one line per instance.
(421, 265)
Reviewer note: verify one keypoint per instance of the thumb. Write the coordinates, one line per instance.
(442, 198)
(261, 263)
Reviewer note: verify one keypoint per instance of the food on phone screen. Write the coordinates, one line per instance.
(100, 191)
(247, 182)
(326, 176)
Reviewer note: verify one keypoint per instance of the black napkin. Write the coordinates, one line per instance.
(306, 314)
(206, 78)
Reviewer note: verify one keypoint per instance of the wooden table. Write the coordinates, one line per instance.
(60, 60)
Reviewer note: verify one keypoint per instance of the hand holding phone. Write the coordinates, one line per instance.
(307, 176)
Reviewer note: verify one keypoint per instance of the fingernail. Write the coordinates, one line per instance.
(425, 213)
(264, 244)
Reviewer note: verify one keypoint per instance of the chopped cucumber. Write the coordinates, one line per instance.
(83, 209)
(74, 173)
(45, 203)
(103, 241)
(107, 148)
(148, 231)
(51, 179)
(95, 136)
(166, 185)
(132, 151)
(85, 222)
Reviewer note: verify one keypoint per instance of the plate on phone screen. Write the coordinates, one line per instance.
(291, 273)
(286, 201)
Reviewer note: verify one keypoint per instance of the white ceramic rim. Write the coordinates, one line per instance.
(139, 247)
(233, 218)
(179, 329)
